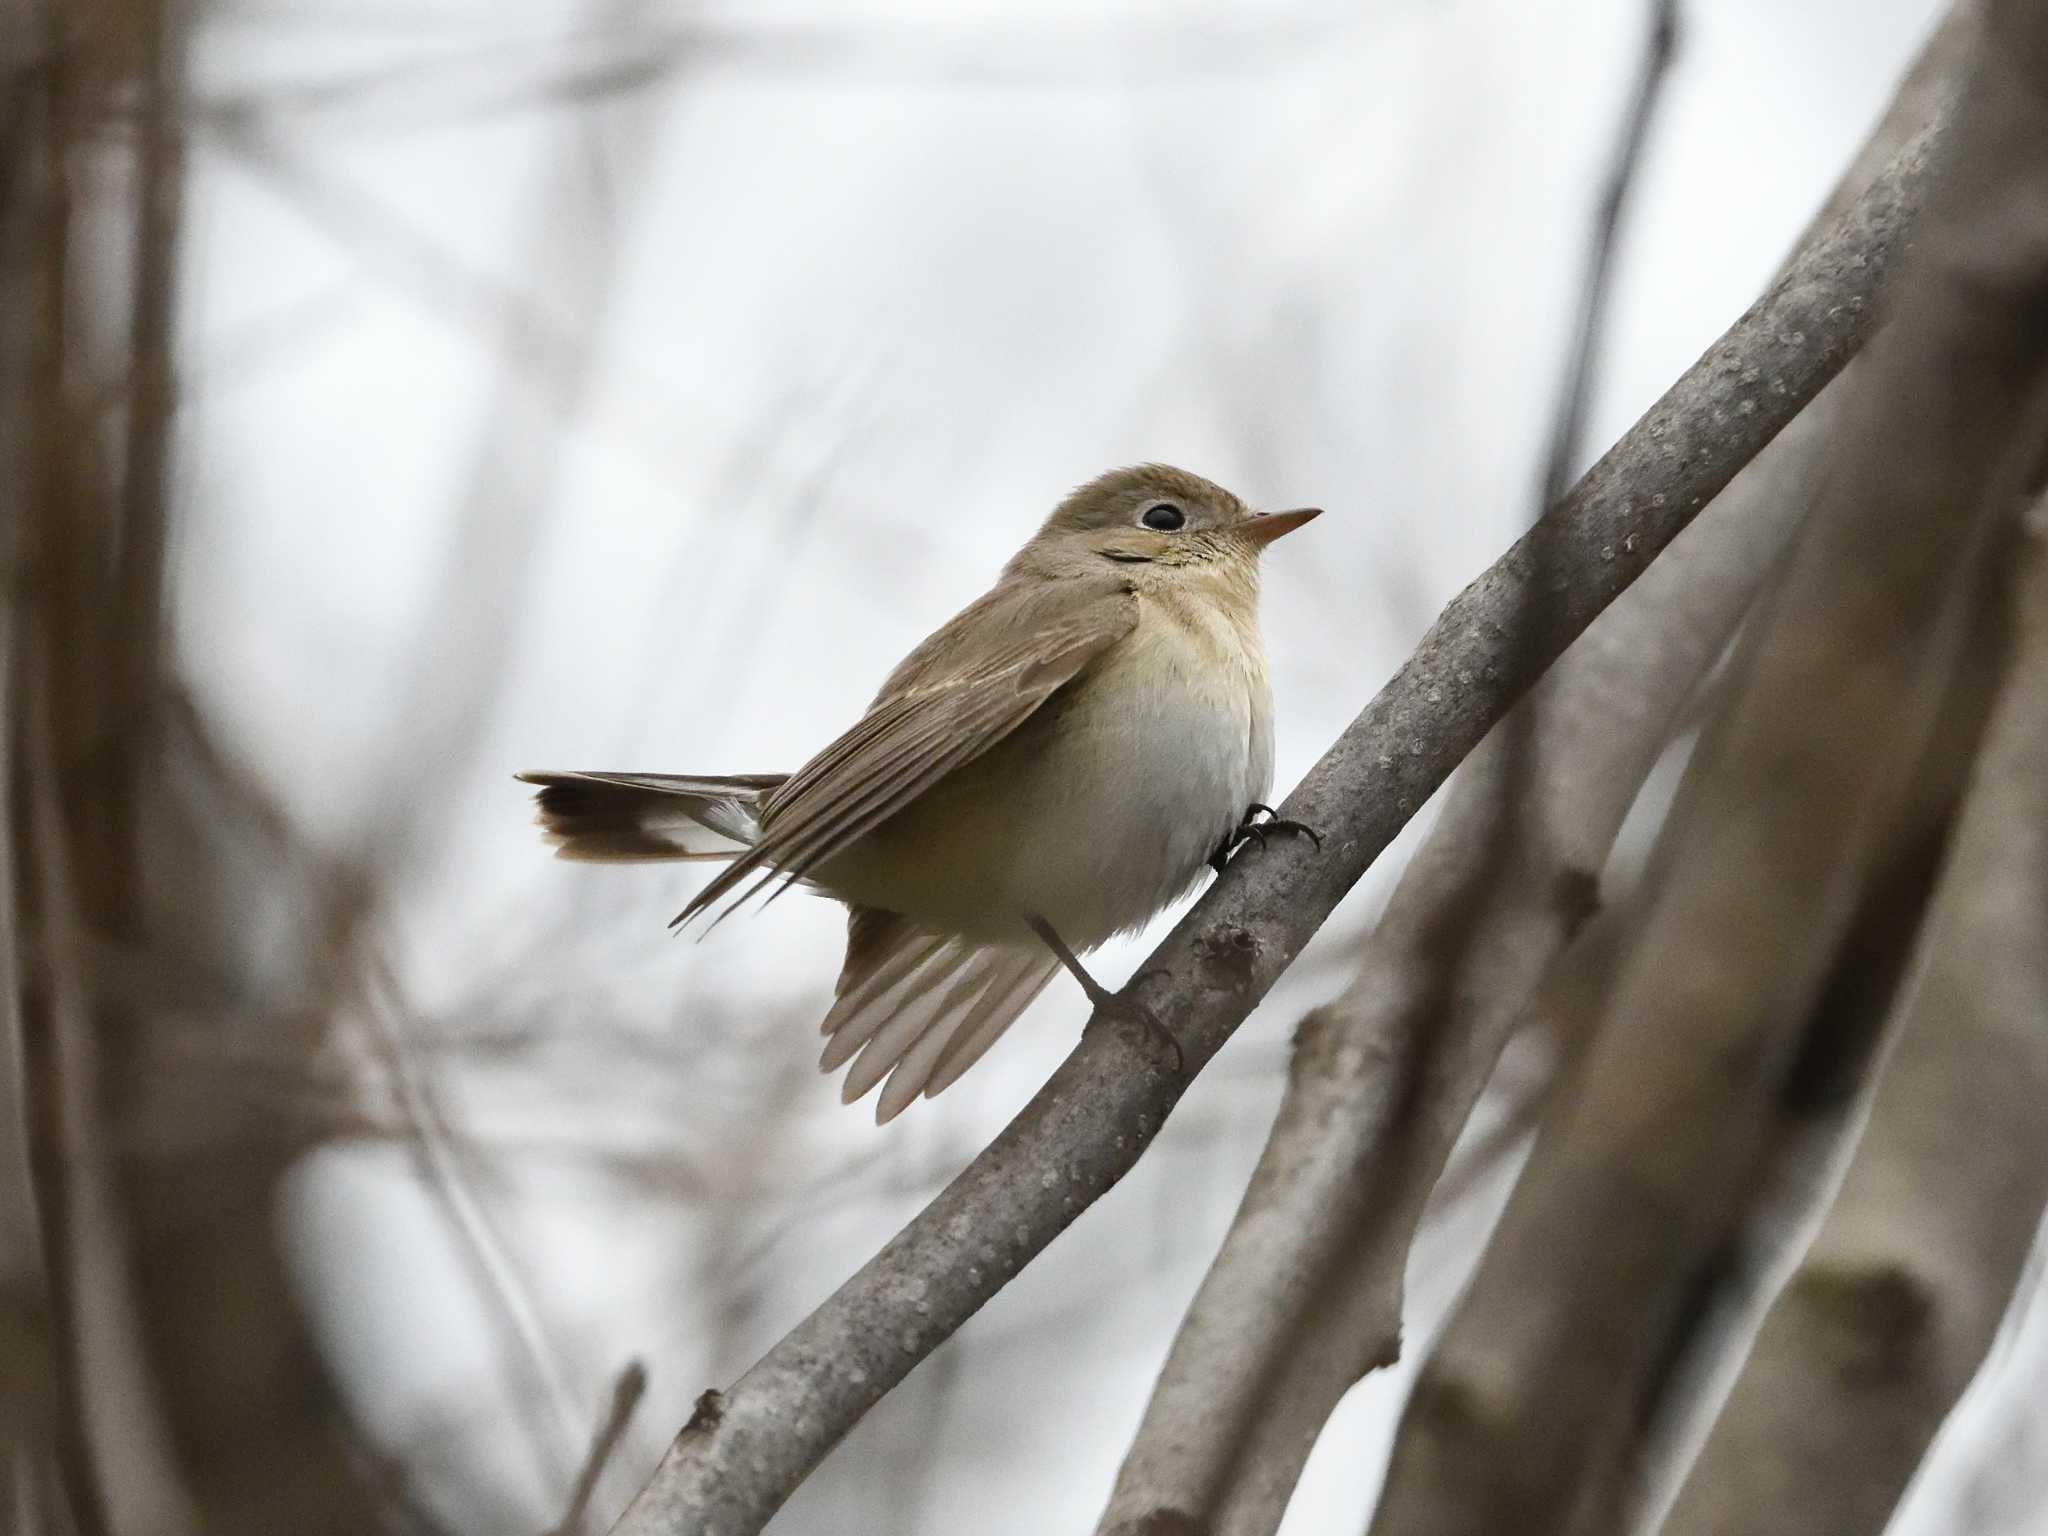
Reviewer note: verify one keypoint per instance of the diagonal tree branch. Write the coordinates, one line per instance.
(1821, 1103)
(1899, 1297)
(1305, 1296)
(1645, 1447)
(747, 1449)
(1633, 1187)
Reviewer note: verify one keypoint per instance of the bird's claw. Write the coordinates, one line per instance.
(1252, 830)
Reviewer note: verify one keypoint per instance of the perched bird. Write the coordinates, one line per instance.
(1053, 766)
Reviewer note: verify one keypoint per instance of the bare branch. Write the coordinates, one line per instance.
(1631, 1190)
(1901, 1293)
(1645, 1449)
(749, 1447)
(1305, 1296)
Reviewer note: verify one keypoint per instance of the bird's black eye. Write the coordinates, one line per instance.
(1164, 516)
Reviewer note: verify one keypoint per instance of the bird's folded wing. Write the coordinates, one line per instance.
(973, 683)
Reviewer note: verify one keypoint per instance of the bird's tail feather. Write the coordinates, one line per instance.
(623, 817)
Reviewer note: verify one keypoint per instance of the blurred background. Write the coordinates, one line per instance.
(629, 385)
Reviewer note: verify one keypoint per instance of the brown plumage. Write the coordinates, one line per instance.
(1068, 750)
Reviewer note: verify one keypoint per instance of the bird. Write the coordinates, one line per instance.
(1060, 761)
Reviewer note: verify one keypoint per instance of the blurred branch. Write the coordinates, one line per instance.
(1305, 1296)
(538, 1386)
(1633, 1186)
(593, 65)
(1900, 1295)
(145, 470)
(626, 1394)
(239, 1394)
(49, 739)
(60, 1107)
(439, 719)
(747, 1449)
(1927, 84)
(1643, 1448)
(1569, 429)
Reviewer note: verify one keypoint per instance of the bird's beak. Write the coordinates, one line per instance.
(1262, 528)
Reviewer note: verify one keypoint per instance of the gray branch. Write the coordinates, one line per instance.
(1305, 1296)
(746, 1449)
(1794, 789)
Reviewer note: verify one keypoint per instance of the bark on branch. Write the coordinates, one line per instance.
(1897, 1301)
(1305, 1296)
(747, 1448)
(1634, 1185)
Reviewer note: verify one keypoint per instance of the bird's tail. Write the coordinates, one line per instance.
(610, 818)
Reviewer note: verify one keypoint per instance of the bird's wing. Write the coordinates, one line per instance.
(973, 683)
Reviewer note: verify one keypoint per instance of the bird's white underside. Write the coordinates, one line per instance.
(1100, 810)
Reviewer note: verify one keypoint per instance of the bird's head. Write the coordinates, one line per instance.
(1154, 514)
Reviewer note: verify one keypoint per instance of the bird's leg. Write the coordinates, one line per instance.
(1100, 997)
(1253, 830)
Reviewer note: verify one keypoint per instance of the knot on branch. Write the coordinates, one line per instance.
(709, 1413)
(1383, 1351)
(1229, 955)
(1317, 1040)
(1871, 1319)
(1575, 896)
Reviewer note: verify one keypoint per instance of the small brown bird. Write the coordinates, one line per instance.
(1056, 764)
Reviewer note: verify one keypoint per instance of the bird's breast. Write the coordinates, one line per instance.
(1098, 811)
(1139, 768)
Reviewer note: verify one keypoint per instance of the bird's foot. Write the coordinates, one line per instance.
(1253, 830)
(1110, 1007)
(1107, 1004)
(1113, 1008)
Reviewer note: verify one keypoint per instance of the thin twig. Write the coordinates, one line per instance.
(749, 1447)
(146, 467)
(626, 1394)
(537, 1376)
(1569, 429)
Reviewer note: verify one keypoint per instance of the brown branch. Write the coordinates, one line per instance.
(59, 1105)
(164, 39)
(1646, 1445)
(749, 1447)
(1632, 1188)
(241, 1400)
(1899, 1297)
